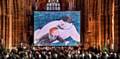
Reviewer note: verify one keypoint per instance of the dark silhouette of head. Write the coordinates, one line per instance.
(66, 19)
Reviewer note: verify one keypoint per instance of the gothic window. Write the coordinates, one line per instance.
(53, 5)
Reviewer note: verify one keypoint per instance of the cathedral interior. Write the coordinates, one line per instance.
(99, 21)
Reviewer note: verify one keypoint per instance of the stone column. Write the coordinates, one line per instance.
(10, 8)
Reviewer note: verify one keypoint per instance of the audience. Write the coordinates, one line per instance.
(23, 52)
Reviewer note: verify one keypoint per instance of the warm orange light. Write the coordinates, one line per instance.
(112, 26)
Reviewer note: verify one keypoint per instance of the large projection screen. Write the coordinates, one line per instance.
(56, 28)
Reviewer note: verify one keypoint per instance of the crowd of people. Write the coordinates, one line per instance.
(23, 52)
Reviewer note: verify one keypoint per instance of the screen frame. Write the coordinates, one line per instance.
(56, 11)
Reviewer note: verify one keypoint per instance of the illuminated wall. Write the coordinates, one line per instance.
(15, 18)
(101, 27)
